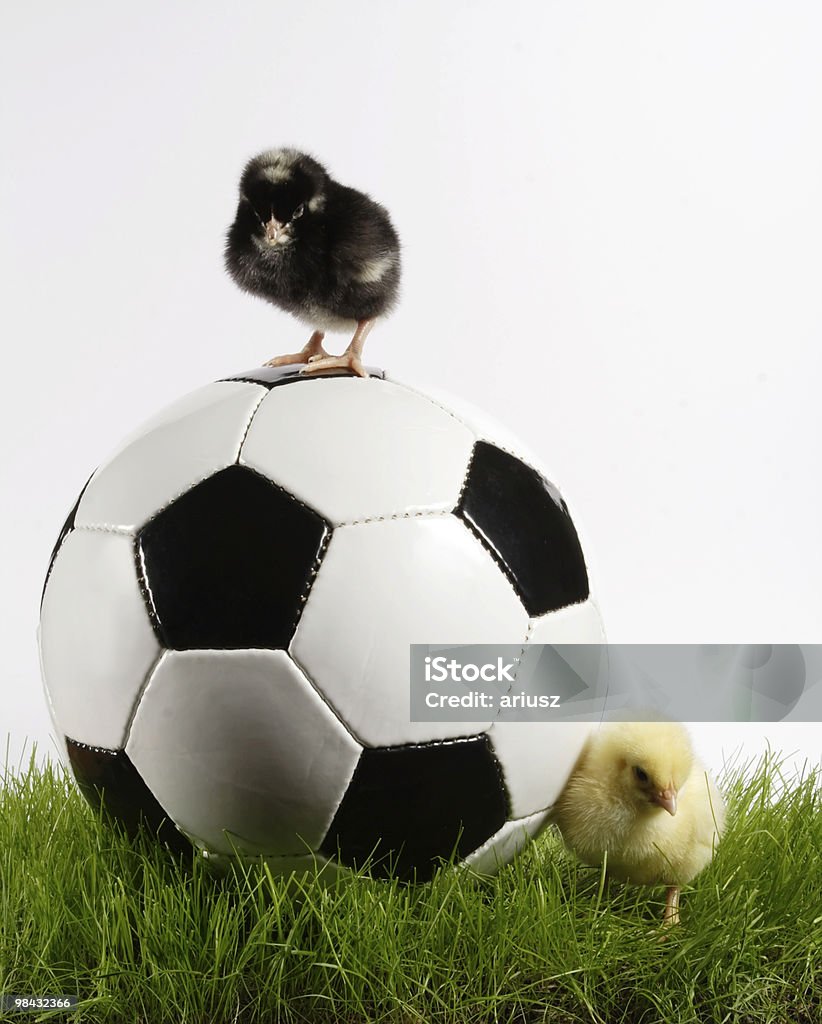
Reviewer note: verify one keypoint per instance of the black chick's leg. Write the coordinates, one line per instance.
(313, 350)
(351, 359)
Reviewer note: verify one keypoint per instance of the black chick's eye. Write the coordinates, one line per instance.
(298, 212)
(640, 774)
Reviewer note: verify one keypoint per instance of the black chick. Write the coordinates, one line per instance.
(319, 250)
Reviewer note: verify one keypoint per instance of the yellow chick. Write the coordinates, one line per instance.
(639, 793)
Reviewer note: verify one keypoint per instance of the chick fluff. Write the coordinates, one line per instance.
(319, 250)
(639, 793)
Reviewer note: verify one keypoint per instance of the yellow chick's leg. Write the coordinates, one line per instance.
(351, 359)
(671, 914)
(313, 350)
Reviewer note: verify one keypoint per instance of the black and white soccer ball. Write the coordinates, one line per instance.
(227, 615)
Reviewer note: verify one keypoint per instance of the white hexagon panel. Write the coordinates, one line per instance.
(184, 443)
(214, 728)
(505, 844)
(227, 617)
(96, 641)
(442, 584)
(402, 453)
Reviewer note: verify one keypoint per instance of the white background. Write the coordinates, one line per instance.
(611, 216)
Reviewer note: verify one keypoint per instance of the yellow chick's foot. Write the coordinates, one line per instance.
(671, 913)
(347, 361)
(313, 350)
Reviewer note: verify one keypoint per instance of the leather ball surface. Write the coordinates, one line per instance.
(227, 615)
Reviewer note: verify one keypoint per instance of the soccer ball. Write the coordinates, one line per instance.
(227, 615)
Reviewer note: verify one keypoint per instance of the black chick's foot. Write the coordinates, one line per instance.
(349, 360)
(313, 350)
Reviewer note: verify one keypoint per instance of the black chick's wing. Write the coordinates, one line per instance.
(363, 253)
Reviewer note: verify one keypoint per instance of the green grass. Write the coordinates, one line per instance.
(140, 938)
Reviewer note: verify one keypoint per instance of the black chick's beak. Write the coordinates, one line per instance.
(273, 230)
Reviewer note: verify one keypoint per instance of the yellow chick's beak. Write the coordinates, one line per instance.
(666, 798)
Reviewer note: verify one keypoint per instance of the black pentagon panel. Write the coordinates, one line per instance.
(68, 526)
(273, 376)
(408, 807)
(229, 565)
(522, 520)
(107, 778)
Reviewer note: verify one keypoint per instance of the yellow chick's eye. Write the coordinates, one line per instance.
(641, 774)
(298, 212)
